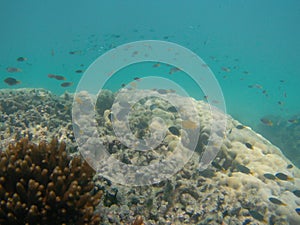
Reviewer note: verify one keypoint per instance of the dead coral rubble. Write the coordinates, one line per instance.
(40, 184)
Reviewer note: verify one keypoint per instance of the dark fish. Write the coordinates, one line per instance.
(243, 169)
(137, 78)
(21, 59)
(248, 145)
(66, 84)
(277, 201)
(269, 176)
(57, 77)
(11, 81)
(123, 85)
(153, 106)
(172, 109)
(115, 36)
(280, 103)
(79, 71)
(297, 211)
(297, 193)
(240, 127)
(256, 215)
(13, 70)
(75, 52)
(282, 176)
(290, 166)
(266, 121)
(174, 131)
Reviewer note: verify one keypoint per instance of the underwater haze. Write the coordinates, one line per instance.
(252, 47)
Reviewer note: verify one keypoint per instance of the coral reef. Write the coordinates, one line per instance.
(249, 182)
(40, 184)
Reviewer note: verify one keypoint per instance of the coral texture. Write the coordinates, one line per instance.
(40, 184)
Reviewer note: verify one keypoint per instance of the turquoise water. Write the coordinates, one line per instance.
(244, 43)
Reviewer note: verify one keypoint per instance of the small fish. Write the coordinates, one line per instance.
(174, 70)
(297, 193)
(248, 145)
(134, 53)
(226, 69)
(137, 78)
(79, 71)
(240, 127)
(11, 81)
(258, 86)
(13, 70)
(282, 81)
(172, 109)
(282, 176)
(297, 211)
(156, 65)
(162, 91)
(52, 52)
(171, 91)
(243, 169)
(245, 72)
(123, 85)
(269, 176)
(284, 94)
(280, 102)
(277, 201)
(174, 130)
(21, 59)
(74, 52)
(188, 124)
(266, 121)
(66, 84)
(256, 215)
(293, 121)
(153, 106)
(57, 77)
(290, 166)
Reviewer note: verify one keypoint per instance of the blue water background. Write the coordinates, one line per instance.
(259, 41)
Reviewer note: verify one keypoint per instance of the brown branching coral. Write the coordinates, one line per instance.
(39, 184)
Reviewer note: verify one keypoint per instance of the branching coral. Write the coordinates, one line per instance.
(40, 184)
